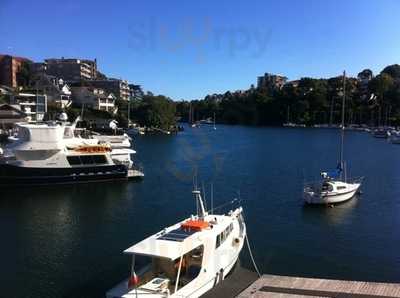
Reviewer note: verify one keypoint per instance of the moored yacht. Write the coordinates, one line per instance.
(47, 153)
(186, 259)
(331, 190)
(334, 186)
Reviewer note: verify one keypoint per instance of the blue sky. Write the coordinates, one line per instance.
(188, 49)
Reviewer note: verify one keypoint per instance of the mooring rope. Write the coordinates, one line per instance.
(251, 256)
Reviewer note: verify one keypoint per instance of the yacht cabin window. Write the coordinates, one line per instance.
(327, 187)
(224, 235)
(75, 160)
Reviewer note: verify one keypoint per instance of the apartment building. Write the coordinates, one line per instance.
(9, 68)
(72, 69)
(120, 88)
(271, 81)
(33, 105)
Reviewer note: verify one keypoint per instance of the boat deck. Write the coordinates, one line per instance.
(286, 286)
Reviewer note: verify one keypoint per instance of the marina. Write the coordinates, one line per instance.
(84, 228)
(287, 286)
(206, 149)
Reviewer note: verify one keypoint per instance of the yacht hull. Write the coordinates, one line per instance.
(332, 198)
(12, 175)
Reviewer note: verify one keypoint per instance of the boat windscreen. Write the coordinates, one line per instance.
(177, 235)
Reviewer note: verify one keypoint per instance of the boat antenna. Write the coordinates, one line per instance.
(83, 108)
(239, 198)
(204, 196)
(201, 211)
(342, 128)
(195, 178)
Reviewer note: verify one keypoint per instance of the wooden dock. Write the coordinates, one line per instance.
(286, 286)
(234, 283)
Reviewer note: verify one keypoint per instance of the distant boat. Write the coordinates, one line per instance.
(191, 118)
(206, 121)
(186, 259)
(381, 133)
(334, 186)
(394, 137)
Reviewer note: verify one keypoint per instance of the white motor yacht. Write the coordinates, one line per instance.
(186, 259)
(47, 153)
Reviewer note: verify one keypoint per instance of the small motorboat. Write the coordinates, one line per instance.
(186, 259)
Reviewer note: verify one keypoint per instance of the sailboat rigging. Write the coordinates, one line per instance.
(334, 187)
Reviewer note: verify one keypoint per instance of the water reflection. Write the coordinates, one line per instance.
(334, 215)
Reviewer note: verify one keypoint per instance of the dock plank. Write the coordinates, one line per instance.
(287, 286)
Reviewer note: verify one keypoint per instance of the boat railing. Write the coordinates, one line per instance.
(356, 179)
(315, 186)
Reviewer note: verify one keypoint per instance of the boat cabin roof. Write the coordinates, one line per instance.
(177, 240)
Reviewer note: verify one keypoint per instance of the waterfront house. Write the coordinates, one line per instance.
(57, 91)
(120, 88)
(95, 98)
(33, 105)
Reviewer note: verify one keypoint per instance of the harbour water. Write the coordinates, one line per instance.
(67, 241)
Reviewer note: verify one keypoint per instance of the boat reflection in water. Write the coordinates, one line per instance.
(336, 215)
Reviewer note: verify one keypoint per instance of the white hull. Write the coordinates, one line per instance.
(336, 197)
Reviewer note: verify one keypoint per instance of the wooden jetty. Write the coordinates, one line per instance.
(234, 283)
(286, 286)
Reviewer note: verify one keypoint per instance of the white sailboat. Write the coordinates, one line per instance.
(186, 259)
(334, 186)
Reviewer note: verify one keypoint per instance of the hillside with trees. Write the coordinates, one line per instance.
(373, 101)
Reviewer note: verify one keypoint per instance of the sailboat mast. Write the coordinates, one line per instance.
(190, 114)
(342, 128)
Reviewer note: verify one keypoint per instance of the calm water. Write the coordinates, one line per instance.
(67, 241)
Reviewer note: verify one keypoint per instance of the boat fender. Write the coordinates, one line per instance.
(133, 281)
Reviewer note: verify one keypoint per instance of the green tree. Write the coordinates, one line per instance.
(156, 111)
(24, 75)
(392, 70)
